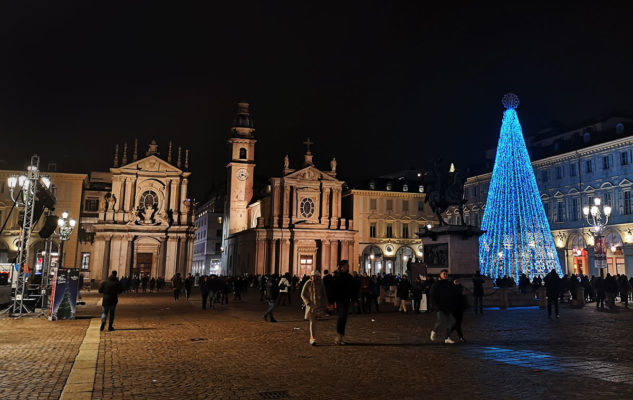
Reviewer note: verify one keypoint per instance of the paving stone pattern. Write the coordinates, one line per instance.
(175, 350)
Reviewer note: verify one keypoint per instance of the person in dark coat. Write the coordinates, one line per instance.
(110, 288)
(152, 285)
(204, 291)
(176, 285)
(342, 289)
(600, 294)
(404, 287)
(416, 295)
(188, 286)
(478, 292)
(552, 286)
(460, 307)
(625, 288)
(443, 297)
(610, 288)
(272, 292)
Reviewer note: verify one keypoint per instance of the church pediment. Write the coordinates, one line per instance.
(150, 163)
(310, 173)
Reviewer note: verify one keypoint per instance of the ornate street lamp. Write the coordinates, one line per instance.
(65, 228)
(597, 216)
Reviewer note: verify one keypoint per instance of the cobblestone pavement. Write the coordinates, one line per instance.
(175, 350)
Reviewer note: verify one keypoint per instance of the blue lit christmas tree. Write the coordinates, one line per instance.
(518, 238)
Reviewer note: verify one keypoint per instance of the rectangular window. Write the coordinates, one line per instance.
(389, 205)
(85, 261)
(405, 231)
(218, 247)
(91, 205)
(588, 166)
(573, 169)
(420, 206)
(574, 209)
(607, 199)
(627, 203)
(389, 231)
(546, 208)
(605, 162)
(624, 158)
(544, 176)
(560, 217)
(405, 205)
(372, 230)
(559, 172)
(372, 204)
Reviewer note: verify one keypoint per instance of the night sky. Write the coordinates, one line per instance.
(382, 86)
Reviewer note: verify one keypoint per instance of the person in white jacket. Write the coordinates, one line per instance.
(315, 299)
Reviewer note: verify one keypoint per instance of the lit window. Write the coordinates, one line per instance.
(85, 261)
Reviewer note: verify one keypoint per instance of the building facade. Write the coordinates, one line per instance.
(67, 189)
(207, 246)
(600, 166)
(295, 226)
(144, 224)
(388, 212)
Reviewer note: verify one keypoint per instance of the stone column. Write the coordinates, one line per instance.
(285, 209)
(173, 200)
(325, 204)
(591, 260)
(98, 256)
(272, 266)
(181, 259)
(563, 259)
(171, 257)
(260, 257)
(334, 254)
(183, 198)
(189, 254)
(627, 249)
(325, 255)
(284, 256)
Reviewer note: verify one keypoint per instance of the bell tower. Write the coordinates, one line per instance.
(240, 171)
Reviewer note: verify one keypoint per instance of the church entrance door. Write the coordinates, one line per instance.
(305, 265)
(143, 264)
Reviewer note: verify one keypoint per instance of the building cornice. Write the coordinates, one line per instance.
(384, 193)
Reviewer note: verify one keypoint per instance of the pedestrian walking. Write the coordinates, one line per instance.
(188, 286)
(416, 295)
(110, 288)
(443, 296)
(176, 285)
(404, 287)
(272, 292)
(343, 289)
(152, 285)
(460, 307)
(204, 291)
(315, 299)
(552, 289)
(478, 292)
(284, 288)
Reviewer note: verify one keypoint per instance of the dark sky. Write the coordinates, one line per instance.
(380, 85)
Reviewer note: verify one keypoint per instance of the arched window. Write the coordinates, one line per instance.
(242, 153)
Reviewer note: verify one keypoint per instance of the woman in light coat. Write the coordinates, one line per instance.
(315, 299)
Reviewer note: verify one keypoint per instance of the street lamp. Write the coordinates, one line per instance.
(597, 217)
(65, 227)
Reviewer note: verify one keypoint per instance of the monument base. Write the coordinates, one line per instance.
(451, 247)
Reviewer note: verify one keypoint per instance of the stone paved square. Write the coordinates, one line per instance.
(175, 350)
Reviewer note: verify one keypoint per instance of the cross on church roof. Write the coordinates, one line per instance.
(308, 143)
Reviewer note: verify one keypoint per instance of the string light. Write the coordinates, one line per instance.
(518, 237)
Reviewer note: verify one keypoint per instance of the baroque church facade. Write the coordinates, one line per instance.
(295, 226)
(143, 225)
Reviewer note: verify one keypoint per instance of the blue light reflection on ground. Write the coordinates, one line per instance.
(540, 361)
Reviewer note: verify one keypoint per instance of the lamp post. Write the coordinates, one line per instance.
(65, 227)
(597, 216)
(26, 186)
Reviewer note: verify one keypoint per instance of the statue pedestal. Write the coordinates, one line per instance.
(452, 247)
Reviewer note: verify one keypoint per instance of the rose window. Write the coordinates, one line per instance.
(306, 208)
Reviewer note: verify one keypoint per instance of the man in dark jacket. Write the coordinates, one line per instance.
(272, 292)
(110, 288)
(342, 289)
(552, 286)
(443, 296)
(204, 290)
(478, 292)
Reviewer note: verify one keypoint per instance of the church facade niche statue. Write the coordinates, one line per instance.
(444, 189)
(286, 162)
(111, 202)
(333, 164)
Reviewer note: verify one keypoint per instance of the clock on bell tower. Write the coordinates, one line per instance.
(240, 170)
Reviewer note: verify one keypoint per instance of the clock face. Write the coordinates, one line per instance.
(242, 174)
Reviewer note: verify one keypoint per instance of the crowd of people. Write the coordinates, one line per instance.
(342, 293)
